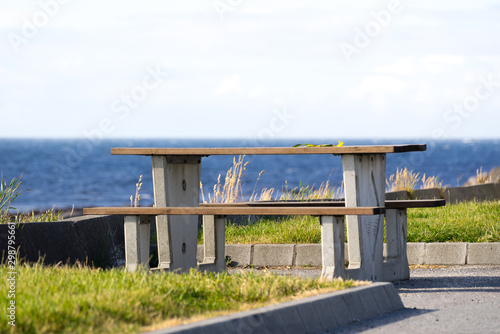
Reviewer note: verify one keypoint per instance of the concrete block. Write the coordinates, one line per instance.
(415, 252)
(355, 306)
(275, 323)
(483, 253)
(445, 253)
(310, 318)
(326, 313)
(246, 322)
(397, 195)
(308, 315)
(393, 296)
(101, 237)
(241, 255)
(291, 319)
(479, 192)
(273, 255)
(340, 312)
(362, 304)
(96, 239)
(434, 193)
(254, 322)
(308, 255)
(380, 296)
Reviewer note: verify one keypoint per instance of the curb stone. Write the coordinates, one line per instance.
(446, 253)
(311, 314)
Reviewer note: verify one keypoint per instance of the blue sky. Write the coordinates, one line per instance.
(250, 69)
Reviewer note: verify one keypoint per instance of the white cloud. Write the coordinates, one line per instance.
(430, 64)
(229, 85)
(402, 66)
(439, 63)
(379, 84)
(92, 52)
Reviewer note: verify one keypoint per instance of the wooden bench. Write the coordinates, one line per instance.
(331, 214)
(137, 222)
(395, 267)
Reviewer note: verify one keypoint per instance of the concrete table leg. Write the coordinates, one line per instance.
(137, 239)
(176, 181)
(364, 182)
(332, 246)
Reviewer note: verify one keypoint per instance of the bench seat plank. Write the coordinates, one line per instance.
(389, 204)
(228, 210)
(367, 149)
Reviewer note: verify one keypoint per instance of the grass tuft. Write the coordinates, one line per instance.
(404, 179)
(231, 190)
(482, 178)
(8, 193)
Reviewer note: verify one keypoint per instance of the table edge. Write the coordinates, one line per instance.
(364, 149)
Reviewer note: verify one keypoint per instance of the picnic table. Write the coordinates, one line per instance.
(176, 184)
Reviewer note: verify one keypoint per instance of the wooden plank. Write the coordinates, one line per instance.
(389, 204)
(223, 210)
(415, 203)
(367, 149)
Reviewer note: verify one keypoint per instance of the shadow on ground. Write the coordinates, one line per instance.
(449, 284)
(360, 327)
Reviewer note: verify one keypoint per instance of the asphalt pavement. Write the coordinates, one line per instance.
(456, 299)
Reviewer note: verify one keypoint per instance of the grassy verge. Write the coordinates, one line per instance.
(463, 222)
(73, 299)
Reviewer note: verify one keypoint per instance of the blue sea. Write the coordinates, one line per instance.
(82, 172)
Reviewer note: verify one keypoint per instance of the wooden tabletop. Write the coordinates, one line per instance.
(367, 149)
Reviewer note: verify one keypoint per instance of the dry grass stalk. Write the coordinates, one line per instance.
(305, 193)
(253, 197)
(265, 195)
(231, 190)
(403, 180)
(134, 200)
(431, 182)
(481, 177)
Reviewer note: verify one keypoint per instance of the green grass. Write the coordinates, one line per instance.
(283, 230)
(463, 222)
(79, 299)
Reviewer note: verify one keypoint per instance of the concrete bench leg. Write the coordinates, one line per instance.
(396, 267)
(214, 244)
(332, 246)
(137, 239)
